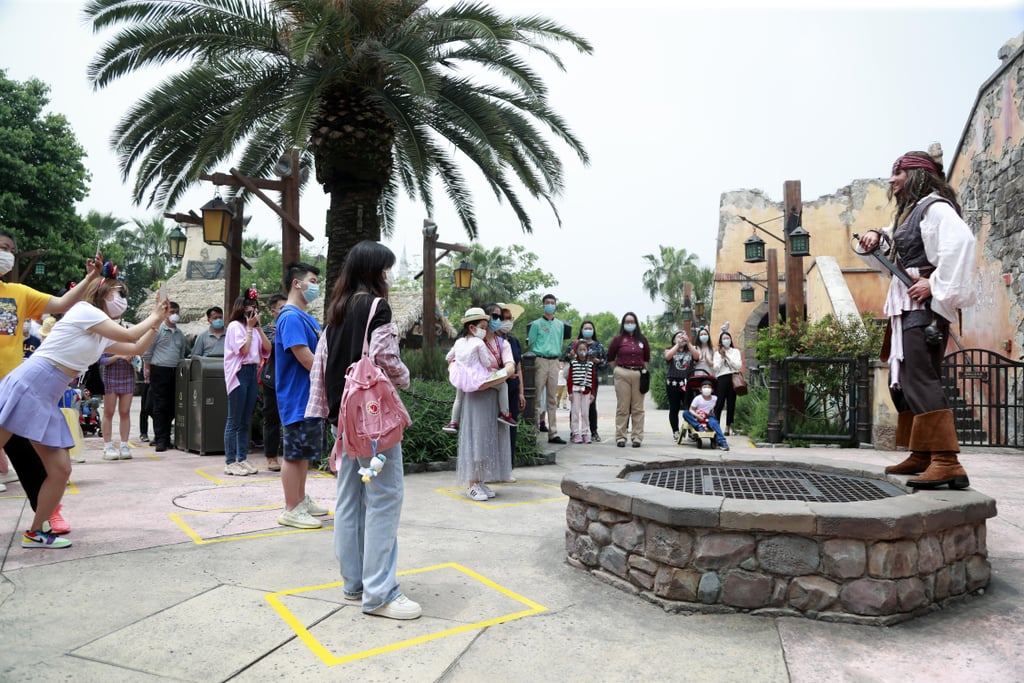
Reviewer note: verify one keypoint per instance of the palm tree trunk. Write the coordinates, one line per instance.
(352, 218)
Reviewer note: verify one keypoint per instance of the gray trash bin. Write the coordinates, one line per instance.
(181, 403)
(208, 406)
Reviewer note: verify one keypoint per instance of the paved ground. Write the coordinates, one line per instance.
(180, 572)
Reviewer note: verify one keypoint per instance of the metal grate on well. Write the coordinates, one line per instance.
(765, 483)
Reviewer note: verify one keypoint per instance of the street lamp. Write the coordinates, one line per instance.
(176, 243)
(463, 275)
(698, 310)
(217, 216)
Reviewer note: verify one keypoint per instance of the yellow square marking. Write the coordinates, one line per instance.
(71, 490)
(330, 659)
(459, 493)
(178, 518)
(218, 471)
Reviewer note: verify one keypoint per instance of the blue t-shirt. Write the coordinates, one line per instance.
(294, 328)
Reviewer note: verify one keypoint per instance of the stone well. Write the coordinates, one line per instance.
(872, 561)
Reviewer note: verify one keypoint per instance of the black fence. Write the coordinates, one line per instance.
(986, 392)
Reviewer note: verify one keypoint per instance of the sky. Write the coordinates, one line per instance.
(679, 103)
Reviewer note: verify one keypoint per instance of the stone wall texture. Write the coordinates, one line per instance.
(827, 578)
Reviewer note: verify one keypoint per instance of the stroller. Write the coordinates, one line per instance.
(687, 432)
(86, 406)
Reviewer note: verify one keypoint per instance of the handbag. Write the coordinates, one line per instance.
(739, 384)
(645, 381)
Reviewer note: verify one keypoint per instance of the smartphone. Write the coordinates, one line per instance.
(161, 292)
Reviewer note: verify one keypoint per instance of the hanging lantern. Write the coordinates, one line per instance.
(463, 276)
(799, 242)
(176, 243)
(753, 249)
(747, 293)
(217, 216)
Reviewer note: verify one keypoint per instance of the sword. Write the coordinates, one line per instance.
(905, 279)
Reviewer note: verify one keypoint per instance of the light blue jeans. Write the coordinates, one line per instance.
(712, 422)
(366, 520)
(241, 403)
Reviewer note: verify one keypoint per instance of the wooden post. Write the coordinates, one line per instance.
(233, 278)
(772, 265)
(429, 285)
(290, 205)
(687, 325)
(795, 307)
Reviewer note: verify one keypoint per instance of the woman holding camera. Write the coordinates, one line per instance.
(245, 347)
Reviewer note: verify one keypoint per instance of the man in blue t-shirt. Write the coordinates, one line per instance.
(294, 345)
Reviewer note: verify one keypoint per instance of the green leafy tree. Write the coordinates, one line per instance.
(42, 176)
(377, 95)
(504, 274)
(665, 278)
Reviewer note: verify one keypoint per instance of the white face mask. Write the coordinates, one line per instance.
(116, 306)
(506, 326)
(727, 343)
(389, 279)
(706, 391)
(704, 339)
(6, 262)
(480, 332)
(173, 318)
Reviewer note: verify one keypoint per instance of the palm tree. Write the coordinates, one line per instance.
(376, 94)
(669, 270)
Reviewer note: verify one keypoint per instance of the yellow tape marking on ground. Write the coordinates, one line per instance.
(459, 493)
(330, 659)
(177, 518)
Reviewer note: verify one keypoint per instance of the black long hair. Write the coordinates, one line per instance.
(579, 335)
(363, 271)
(920, 183)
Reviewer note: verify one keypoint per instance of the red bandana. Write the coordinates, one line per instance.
(908, 161)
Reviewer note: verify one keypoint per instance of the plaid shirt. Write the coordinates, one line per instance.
(383, 352)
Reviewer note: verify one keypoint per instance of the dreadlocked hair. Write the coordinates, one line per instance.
(920, 183)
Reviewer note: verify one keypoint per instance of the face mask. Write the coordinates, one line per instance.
(173, 318)
(727, 343)
(629, 327)
(311, 292)
(704, 339)
(494, 325)
(218, 324)
(389, 279)
(480, 333)
(587, 334)
(6, 262)
(117, 306)
(706, 391)
(506, 326)
(549, 309)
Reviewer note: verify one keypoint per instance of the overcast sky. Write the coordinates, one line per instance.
(678, 104)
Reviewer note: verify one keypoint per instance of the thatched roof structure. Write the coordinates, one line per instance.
(407, 313)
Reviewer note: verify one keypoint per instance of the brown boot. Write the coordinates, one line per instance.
(936, 432)
(917, 461)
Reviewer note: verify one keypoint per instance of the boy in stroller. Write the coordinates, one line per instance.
(701, 414)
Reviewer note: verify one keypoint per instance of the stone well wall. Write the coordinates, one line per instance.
(877, 562)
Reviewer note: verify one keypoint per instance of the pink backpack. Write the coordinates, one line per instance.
(372, 417)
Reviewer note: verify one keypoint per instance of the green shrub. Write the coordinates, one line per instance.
(659, 394)
(427, 365)
(752, 413)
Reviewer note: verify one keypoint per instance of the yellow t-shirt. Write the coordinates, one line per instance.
(17, 303)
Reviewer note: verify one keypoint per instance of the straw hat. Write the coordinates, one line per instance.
(474, 314)
(515, 309)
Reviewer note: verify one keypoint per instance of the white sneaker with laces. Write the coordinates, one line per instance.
(487, 489)
(477, 493)
(125, 453)
(8, 477)
(110, 453)
(3, 487)
(399, 608)
(247, 466)
(298, 518)
(312, 508)
(235, 469)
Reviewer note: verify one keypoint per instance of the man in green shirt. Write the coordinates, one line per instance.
(545, 338)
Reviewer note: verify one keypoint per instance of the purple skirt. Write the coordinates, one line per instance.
(28, 403)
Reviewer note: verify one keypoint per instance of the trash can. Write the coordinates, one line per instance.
(208, 406)
(181, 403)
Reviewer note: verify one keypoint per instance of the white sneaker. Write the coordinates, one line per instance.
(311, 508)
(399, 608)
(110, 453)
(247, 466)
(487, 489)
(125, 453)
(3, 487)
(77, 458)
(298, 518)
(9, 477)
(235, 469)
(476, 492)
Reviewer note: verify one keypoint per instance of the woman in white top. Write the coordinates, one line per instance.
(29, 394)
(727, 361)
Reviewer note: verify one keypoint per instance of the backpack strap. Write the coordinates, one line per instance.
(366, 334)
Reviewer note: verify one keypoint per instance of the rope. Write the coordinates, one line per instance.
(429, 399)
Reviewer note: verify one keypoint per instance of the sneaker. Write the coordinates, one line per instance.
(595, 437)
(144, 438)
(312, 508)
(636, 444)
(273, 465)
(77, 458)
(353, 596)
(399, 608)
(506, 419)
(487, 489)
(110, 453)
(3, 487)
(556, 439)
(247, 466)
(298, 518)
(577, 439)
(476, 492)
(56, 524)
(586, 438)
(236, 469)
(451, 428)
(675, 436)
(542, 428)
(41, 539)
(620, 444)
(125, 453)
(7, 478)
(723, 447)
